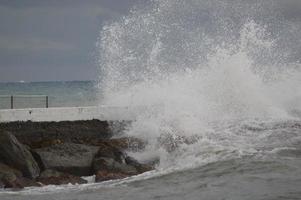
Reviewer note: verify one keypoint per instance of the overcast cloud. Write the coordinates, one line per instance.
(53, 39)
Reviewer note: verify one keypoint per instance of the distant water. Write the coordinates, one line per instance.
(61, 94)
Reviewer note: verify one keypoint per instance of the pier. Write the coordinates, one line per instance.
(105, 113)
(23, 101)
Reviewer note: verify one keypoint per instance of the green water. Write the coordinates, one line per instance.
(61, 94)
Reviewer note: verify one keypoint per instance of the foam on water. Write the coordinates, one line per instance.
(198, 68)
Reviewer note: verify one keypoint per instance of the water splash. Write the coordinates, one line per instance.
(194, 65)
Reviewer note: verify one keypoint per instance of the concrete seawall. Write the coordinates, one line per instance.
(103, 113)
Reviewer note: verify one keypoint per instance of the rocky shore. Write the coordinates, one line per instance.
(55, 153)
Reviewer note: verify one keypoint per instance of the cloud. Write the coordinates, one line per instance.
(51, 34)
(49, 42)
(33, 44)
(53, 40)
(116, 5)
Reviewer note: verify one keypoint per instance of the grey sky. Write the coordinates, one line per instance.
(44, 40)
(51, 40)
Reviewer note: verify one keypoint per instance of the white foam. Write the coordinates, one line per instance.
(198, 68)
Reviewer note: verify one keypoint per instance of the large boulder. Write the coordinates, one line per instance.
(6, 169)
(1, 184)
(126, 143)
(113, 166)
(35, 133)
(9, 177)
(12, 178)
(111, 159)
(141, 168)
(108, 150)
(68, 157)
(111, 163)
(16, 155)
(52, 177)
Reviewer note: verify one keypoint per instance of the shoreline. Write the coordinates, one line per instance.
(103, 113)
(56, 153)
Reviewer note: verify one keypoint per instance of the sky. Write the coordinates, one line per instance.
(53, 40)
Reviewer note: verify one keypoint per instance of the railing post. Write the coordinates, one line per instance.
(12, 102)
(47, 102)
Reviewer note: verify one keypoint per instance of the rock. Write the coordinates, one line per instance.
(1, 185)
(106, 176)
(9, 177)
(111, 163)
(113, 166)
(43, 134)
(108, 151)
(52, 177)
(6, 169)
(129, 143)
(26, 182)
(141, 168)
(16, 155)
(11, 181)
(12, 178)
(111, 159)
(69, 158)
(50, 173)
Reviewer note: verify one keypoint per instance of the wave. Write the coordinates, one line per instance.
(198, 68)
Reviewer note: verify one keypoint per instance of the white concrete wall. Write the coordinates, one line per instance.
(66, 114)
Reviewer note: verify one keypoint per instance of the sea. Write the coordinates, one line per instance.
(60, 94)
(218, 82)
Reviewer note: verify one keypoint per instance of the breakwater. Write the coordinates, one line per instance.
(109, 113)
(55, 153)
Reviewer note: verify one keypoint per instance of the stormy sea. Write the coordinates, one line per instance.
(219, 84)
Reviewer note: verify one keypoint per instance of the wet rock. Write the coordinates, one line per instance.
(109, 151)
(132, 144)
(12, 178)
(104, 175)
(9, 177)
(111, 159)
(6, 169)
(52, 177)
(141, 168)
(46, 143)
(1, 185)
(26, 182)
(11, 181)
(43, 134)
(16, 155)
(113, 166)
(69, 158)
(50, 173)
(111, 163)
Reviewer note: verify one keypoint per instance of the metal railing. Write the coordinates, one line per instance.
(15, 101)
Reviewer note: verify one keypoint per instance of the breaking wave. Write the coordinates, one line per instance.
(207, 75)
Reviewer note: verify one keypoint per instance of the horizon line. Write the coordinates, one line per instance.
(48, 81)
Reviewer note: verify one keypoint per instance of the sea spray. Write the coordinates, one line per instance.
(200, 70)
